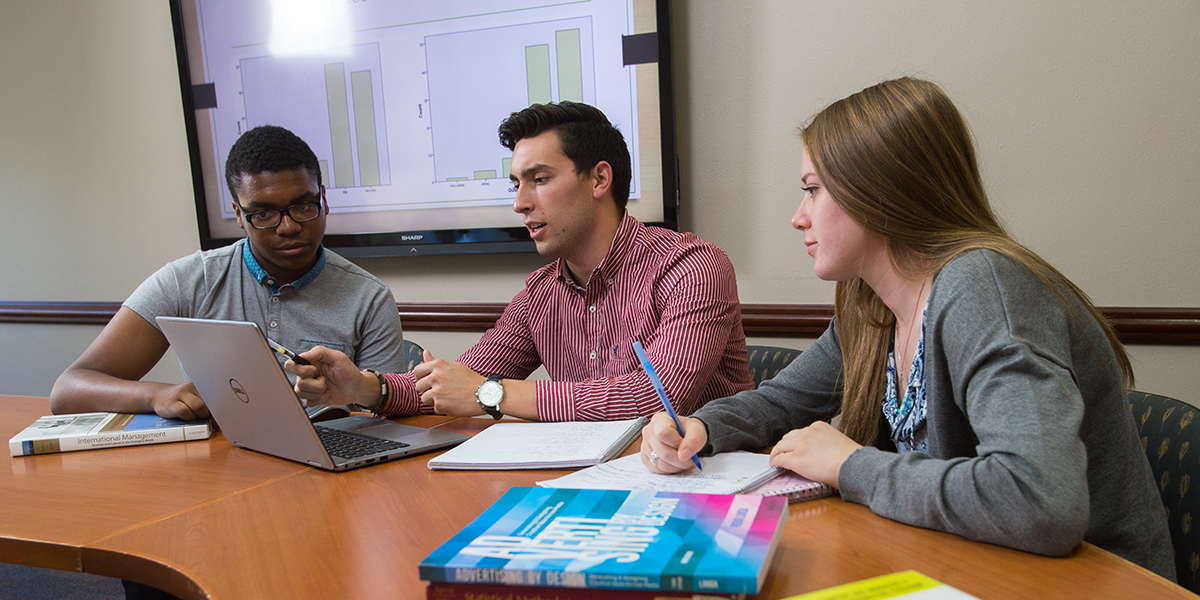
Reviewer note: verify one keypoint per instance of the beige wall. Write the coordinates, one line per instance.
(1086, 116)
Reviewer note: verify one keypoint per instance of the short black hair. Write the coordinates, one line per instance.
(586, 136)
(268, 148)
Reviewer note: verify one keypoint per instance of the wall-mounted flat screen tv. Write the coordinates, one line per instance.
(400, 100)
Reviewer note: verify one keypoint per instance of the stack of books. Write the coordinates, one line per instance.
(564, 544)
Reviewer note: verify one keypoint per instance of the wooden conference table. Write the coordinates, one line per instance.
(207, 520)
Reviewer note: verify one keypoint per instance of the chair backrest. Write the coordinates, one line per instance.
(412, 355)
(1171, 438)
(767, 361)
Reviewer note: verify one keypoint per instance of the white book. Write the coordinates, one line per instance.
(725, 473)
(565, 445)
(88, 431)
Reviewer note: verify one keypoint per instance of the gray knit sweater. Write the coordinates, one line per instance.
(1032, 443)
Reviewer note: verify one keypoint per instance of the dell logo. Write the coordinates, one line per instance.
(239, 391)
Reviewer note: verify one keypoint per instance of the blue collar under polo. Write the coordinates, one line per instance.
(265, 279)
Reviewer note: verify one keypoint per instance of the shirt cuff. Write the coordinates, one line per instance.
(554, 400)
(403, 399)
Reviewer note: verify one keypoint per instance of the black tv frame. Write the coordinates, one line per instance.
(494, 240)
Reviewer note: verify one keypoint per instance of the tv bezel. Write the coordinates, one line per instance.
(488, 240)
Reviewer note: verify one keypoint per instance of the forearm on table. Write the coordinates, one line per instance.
(998, 499)
(81, 390)
(597, 400)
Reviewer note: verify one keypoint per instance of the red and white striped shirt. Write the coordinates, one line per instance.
(674, 292)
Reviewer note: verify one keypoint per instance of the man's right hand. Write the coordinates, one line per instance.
(674, 454)
(180, 401)
(332, 379)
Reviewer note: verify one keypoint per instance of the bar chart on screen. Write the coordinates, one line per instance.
(476, 78)
(339, 86)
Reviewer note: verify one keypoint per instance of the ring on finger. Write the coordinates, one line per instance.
(654, 458)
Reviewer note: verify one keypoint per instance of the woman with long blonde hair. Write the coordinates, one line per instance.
(980, 391)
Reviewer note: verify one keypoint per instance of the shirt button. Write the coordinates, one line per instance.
(274, 323)
(270, 281)
(591, 309)
(593, 356)
(609, 282)
(274, 298)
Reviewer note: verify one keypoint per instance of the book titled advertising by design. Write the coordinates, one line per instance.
(565, 445)
(615, 539)
(89, 431)
(483, 591)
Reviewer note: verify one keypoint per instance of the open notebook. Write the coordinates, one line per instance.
(726, 473)
(566, 445)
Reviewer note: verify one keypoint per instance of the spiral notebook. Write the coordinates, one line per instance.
(793, 487)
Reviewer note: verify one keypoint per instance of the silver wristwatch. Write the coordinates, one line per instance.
(489, 395)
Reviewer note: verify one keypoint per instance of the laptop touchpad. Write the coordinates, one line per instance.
(376, 427)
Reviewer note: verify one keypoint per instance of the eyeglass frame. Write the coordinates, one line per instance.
(246, 214)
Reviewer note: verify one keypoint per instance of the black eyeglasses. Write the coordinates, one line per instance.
(268, 219)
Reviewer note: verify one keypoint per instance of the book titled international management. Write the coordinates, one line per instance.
(89, 431)
(610, 539)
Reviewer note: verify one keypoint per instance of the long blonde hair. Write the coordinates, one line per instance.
(899, 159)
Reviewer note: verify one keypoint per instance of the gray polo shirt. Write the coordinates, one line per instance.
(337, 304)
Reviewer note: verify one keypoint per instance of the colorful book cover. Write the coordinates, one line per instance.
(637, 540)
(483, 591)
(906, 584)
(87, 431)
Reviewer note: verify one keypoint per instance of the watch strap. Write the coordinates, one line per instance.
(377, 408)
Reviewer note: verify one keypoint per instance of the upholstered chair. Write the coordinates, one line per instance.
(767, 361)
(1170, 435)
(412, 355)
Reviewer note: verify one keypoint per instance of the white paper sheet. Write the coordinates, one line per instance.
(727, 473)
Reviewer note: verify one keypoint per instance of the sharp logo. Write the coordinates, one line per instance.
(412, 238)
(239, 391)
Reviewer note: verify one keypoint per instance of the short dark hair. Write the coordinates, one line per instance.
(586, 136)
(268, 148)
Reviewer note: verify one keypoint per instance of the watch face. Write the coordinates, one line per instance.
(491, 393)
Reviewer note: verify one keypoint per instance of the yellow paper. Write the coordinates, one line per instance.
(887, 586)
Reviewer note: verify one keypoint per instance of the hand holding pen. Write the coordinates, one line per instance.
(328, 377)
(653, 456)
(276, 346)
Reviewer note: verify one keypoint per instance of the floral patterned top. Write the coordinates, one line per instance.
(907, 417)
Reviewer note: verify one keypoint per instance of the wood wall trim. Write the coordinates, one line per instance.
(1135, 325)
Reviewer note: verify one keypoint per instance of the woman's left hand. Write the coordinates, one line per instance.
(816, 452)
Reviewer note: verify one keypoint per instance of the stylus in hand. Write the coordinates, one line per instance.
(276, 346)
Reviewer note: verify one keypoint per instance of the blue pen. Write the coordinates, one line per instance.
(662, 393)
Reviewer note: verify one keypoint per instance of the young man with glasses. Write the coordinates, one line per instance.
(280, 277)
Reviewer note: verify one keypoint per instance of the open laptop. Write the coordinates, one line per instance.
(249, 395)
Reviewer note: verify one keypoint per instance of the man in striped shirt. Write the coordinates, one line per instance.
(616, 281)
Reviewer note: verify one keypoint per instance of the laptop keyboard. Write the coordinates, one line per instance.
(353, 445)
